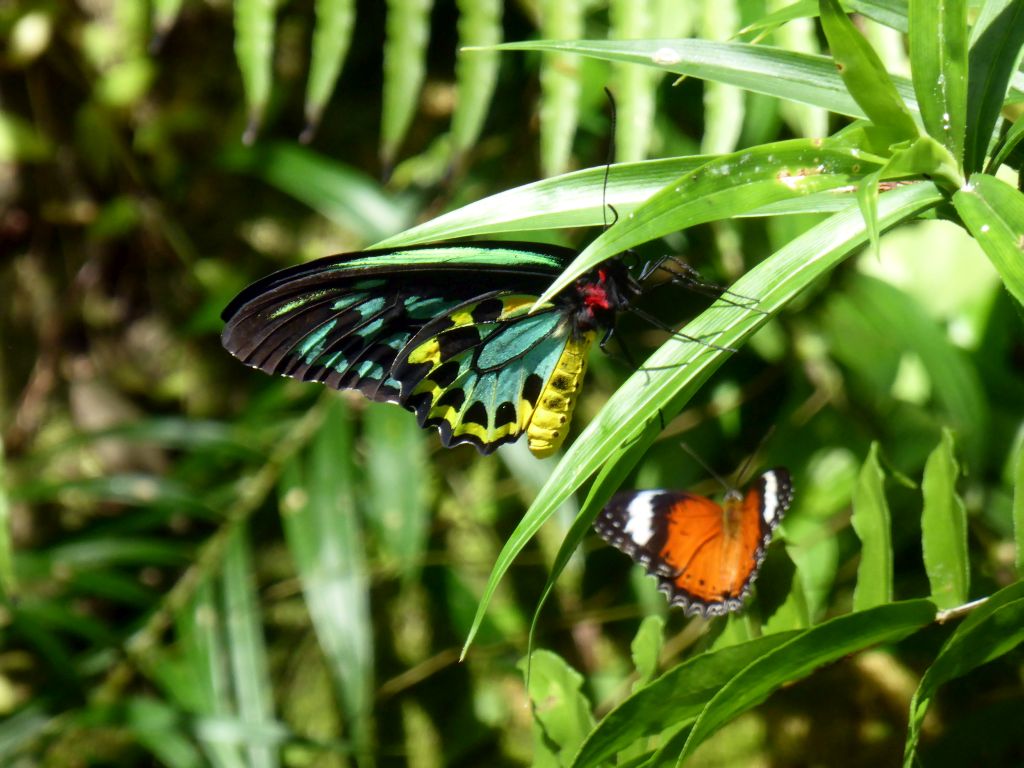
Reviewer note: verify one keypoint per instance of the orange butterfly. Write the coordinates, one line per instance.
(705, 555)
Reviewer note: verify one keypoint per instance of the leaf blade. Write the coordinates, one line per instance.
(873, 526)
(944, 527)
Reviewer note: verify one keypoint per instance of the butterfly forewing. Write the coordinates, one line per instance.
(704, 555)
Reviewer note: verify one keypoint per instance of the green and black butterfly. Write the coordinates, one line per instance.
(444, 330)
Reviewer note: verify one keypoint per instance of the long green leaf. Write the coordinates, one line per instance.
(763, 69)
(872, 523)
(944, 527)
(864, 74)
(325, 537)
(724, 104)
(889, 13)
(159, 728)
(1006, 146)
(676, 371)
(332, 35)
(254, 52)
(398, 487)
(994, 213)
(675, 698)
(250, 672)
(997, 43)
(405, 66)
(800, 656)
(476, 73)
(990, 631)
(579, 199)
(634, 85)
(200, 627)
(559, 85)
(938, 53)
(574, 199)
(725, 187)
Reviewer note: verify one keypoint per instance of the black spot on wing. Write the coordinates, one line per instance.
(487, 311)
(446, 373)
(452, 398)
(532, 388)
(476, 414)
(506, 414)
(457, 340)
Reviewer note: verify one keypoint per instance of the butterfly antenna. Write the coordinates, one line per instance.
(707, 469)
(742, 476)
(608, 164)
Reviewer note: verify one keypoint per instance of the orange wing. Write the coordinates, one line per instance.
(704, 555)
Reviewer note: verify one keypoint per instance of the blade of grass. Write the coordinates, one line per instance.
(325, 537)
(874, 529)
(200, 633)
(254, 52)
(570, 200)
(398, 488)
(577, 199)
(559, 85)
(724, 104)
(864, 74)
(635, 87)
(405, 65)
(784, 74)
(158, 728)
(1006, 146)
(673, 374)
(475, 73)
(889, 13)
(332, 35)
(938, 53)
(995, 54)
(994, 213)
(944, 527)
(609, 478)
(250, 673)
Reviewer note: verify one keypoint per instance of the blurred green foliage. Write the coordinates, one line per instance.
(202, 565)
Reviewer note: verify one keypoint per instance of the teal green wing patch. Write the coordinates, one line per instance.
(476, 373)
(344, 320)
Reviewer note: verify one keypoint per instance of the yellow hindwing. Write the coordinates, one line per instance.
(550, 422)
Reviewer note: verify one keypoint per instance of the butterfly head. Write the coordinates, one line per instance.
(601, 294)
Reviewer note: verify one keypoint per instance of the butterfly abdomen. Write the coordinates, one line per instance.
(550, 422)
